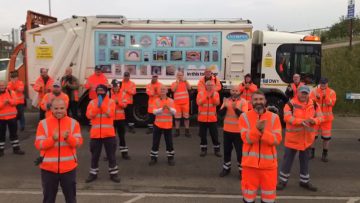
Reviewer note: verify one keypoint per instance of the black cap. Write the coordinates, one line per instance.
(126, 74)
(115, 83)
(323, 80)
(98, 68)
(101, 86)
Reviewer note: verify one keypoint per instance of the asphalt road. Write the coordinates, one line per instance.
(193, 179)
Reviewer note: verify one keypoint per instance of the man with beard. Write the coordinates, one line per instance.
(101, 112)
(42, 86)
(247, 88)
(261, 133)
(301, 117)
(70, 86)
(292, 89)
(232, 108)
(49, 97)
(209, 76)
(8, 119)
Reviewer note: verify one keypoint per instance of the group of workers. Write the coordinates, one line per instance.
(250, 127)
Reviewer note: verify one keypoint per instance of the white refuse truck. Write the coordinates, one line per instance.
(163, 47)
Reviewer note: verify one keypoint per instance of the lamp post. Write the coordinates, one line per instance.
(49, 7)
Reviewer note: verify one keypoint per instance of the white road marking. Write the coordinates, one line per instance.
(353, 200)
(135, 199)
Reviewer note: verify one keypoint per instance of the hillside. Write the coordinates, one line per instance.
(342, 67)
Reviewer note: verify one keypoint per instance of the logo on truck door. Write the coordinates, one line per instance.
(237, 36)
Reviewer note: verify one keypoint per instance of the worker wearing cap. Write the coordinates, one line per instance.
(8, 113)
(292, 89)
(325, 97)
(42, 86)
(181, 89)
(208, 76)
(94, 80)
(247, 88)
(163, 111)
(70, 86)
(261, 133)
(207, 100)
(119, 97)
(55, 93)
(17, 86)
(101, 112)
(129, 88)
(153, 91)
(302, 117)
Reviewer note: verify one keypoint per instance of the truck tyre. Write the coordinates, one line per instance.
(140, 114)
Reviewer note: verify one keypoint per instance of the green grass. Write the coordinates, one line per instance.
(342, 67)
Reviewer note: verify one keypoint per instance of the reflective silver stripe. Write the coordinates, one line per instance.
(248, 130)
(287, 113)
(41, 144)
(268, 200)
(230, 122)
(249, 192)
(231, 116)
(180, 93)
(285, 175)
(73, 122)
(208, 113)
(327, 113)
(262, 156)
(102, 126)
(119, 111)
(268, 192)
(163, 120)
(250, 200)
(295, 130)
(44, 124)
(62, 144)
(77, 135)
(165, 114)
(273, 117)
(55, 159)
(101, 115)
(292, 119)
(304, 176)
(40, 137)
(8, 114)
(181, 97)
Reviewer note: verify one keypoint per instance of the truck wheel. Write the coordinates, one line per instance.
(140, 114)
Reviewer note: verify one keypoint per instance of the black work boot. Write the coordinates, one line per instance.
(153, 161)
(18, 152)
(281, 185)
(312, 153)
(171, 161)
(177, 133)
(308, 186)
(203, 153)
(115, 178)
(131, 129)
(217, 153)
(187, 132)
(125, 155)
(324, 157)
(149, 131)
(224, 173)
(91, 178)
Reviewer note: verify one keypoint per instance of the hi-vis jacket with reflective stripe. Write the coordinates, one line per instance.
(42, 88)
(153, 91)
(92, 82)
(8, 105)
(102, 119)
(231, 120)
(59, 156)
(129, 88)
(326, 101)
(181, 94)
(120, 104)
(298, 136)
(48, 99)
(207, 106)
(164, 117)
(259, 149)
(18, 87)
(247, 93)
(201, 84)
(295, 88)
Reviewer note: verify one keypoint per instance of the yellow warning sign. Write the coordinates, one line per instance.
(44, 52)
(268, 61)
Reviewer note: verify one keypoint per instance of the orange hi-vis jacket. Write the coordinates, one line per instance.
(8, 104)
(181, 94)
(326, 101)
(299, 136)
(259, 149)
(48, 98)
(231, 120)
(120, 104)
(153, 91)
(247, 93)
(59, 156)
(129, 88)
(92, 82)
(214, 79)
(75, 92)
(207, 106)
(295, 88)
(101, 118)
(18, 88)
(42, 88)
(164, 117)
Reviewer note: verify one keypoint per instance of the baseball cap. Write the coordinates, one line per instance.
(115, 83)
(305, 89)
(98, 68)
(324, 80)
(57, 84)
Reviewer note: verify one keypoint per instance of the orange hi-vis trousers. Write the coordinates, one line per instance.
(253, 179)
(324, 130)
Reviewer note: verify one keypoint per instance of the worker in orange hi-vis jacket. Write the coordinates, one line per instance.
(292, 89)
(153, 91)
(42, 86)
(247, 88)
(129, 88)
(261, 133)
(325, 97)
(209, 76)
(55, 93)
(231, 110)
(17, 86)
(181, 89)
(94, 80)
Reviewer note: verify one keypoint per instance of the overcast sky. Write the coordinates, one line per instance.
(284, 15)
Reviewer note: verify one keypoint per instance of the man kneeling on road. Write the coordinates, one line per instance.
(57, 138)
